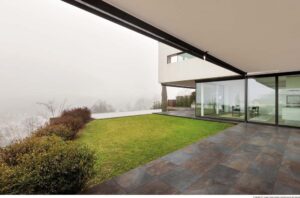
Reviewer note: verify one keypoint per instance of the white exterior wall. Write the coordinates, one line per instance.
(191, 69)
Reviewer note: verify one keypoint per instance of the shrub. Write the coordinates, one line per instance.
(60, 130)
(10, 154)
(73, 123)
(84, 113)
(44, 165)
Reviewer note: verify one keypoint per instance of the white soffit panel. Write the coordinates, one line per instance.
(252, 35)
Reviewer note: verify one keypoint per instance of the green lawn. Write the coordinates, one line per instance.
(125, 143)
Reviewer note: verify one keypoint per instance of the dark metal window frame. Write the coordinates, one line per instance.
(225, 78)
(276, 75)
(177, 86)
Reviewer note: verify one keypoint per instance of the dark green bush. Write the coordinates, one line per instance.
(44, 165)
(84, 113)
(60, 130)
(184, 101)
(73, 123)
(10, 154)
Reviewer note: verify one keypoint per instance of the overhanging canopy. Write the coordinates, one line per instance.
(252, 36)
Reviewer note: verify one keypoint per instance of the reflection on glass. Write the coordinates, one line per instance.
(184, 56)
(289, 100)
(179, 57)
(224, 99)
(198, 99)
(261, 99)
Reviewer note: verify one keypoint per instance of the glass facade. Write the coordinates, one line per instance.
(226, 99)
(261, 99)
(221, 99)
(289, 100)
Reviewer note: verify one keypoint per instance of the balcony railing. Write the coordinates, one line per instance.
(178, 57)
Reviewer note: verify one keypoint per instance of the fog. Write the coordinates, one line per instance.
(52, 51)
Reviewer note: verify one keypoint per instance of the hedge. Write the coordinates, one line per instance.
(44, 165)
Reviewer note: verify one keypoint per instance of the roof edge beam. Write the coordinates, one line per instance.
(109, 12)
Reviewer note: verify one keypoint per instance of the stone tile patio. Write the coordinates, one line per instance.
(244, 159)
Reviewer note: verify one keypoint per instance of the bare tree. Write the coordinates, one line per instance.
(102, 107)
(62, 106)
(156, 105)
(30, 124)
(54, 108)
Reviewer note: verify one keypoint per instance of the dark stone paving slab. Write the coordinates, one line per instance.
(239, 160)
(155, 186)
(274, 149)
(253, 184)
(207, 186)
(259, 140)
(222, 174)
(180, 178)
(109, 187)
(282, 188)
(203, 161)
(159, 167)
(217, 180)
(249, 148)
(133, 179)
(292, 156)
(289, 173)
(243, 159)
(265, 166)
(177, 157)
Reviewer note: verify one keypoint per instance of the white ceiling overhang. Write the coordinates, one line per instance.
(254, 36)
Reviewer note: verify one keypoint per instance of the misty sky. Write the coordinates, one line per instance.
(52, 50)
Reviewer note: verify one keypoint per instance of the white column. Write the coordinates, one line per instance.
(202, 98)
(217, 99)
(164, 98)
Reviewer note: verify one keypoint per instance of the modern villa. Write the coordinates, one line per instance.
(234, 127)
(272, 98)
(242, 60)
(241, 57)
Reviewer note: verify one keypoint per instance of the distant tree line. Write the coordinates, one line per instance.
(185, 101)
(156, 105)
(102, 107)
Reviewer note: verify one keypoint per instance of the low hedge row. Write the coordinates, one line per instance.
(67, 125)
(83, 113)
(47, 162)
(44, 165)
(59, 130)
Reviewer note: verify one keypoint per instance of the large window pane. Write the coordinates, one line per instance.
(261, 100)
(222, 99)
(289, 100)
(198, 99)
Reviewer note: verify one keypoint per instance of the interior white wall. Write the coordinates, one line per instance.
(291, 87)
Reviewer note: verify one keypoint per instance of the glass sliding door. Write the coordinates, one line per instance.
(289, 100)
(199, 98)
(225, 99)
(261, 99)
(221, 99)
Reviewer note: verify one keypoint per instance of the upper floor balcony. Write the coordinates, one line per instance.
(178, 68)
